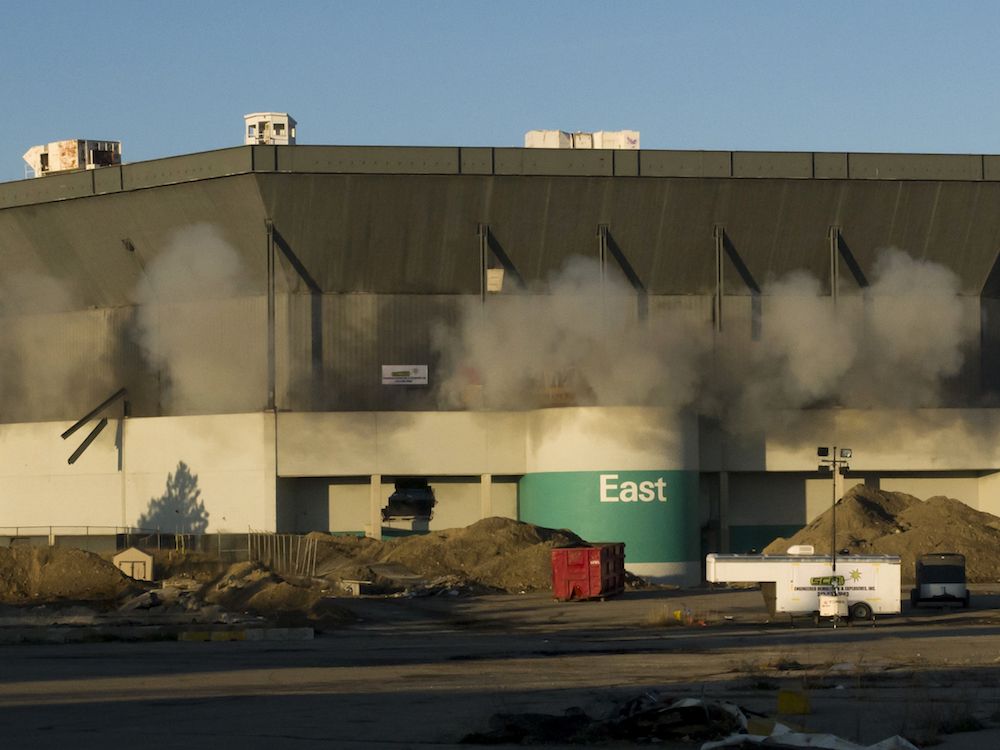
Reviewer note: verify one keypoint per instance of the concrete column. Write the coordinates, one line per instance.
(374, 529)
(485, 495)
(724, 511)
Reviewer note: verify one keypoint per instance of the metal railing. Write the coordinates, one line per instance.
(287, 554)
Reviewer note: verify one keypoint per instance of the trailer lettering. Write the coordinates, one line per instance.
(827, 581)
(632, 492)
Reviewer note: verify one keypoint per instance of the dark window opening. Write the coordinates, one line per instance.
(412, 499)
(102, 158)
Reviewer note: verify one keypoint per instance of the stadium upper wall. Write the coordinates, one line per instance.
(398, 220)
(414, 160)
(365, 251)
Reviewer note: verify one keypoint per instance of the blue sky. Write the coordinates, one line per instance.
(175, 77)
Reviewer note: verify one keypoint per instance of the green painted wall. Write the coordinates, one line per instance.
(654, 512)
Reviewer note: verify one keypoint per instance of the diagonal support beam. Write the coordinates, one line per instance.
(296, 262)
(119, 394)
(718, 235)
(607, 246)
(88, 440)
(315, 303)
(839, 249)
(488, 244)
(724, 248)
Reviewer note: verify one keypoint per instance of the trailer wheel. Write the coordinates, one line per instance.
(914, 598)
(965, 602)
(816, 618)
(861, 611)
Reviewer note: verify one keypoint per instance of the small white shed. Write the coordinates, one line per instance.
(135, 563)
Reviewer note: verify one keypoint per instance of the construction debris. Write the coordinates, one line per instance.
(655, 718)
(495, 554)
(649, 717)
(784, 738)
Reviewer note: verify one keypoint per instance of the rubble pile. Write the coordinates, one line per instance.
(497, 554)
(493, 555)
(252, 588)
(877, 522)
(653, 718)
(647, 718)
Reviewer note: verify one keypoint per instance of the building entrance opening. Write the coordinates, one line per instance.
(412, 499)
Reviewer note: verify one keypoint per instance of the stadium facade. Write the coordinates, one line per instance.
(276, 315)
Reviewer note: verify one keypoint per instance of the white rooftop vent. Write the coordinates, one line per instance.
(76, 153)
(616, 139)
(268, 129)
(802, 549)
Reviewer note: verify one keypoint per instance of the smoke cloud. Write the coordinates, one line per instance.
(578, 339)
(571, 340)
(49, 369)
(192, 301)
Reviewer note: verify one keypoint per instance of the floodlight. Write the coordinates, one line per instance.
(845, 452)
(823, 467)
(822, 452)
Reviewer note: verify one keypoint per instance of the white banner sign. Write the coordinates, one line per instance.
(404, 374)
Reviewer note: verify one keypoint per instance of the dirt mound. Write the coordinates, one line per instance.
(871, 521)
(58, 573)
(495, 553)
(250, 587)
(499, 553)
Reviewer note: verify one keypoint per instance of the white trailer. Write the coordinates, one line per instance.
(793, 583)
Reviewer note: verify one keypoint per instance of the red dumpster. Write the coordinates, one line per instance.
(588, 572)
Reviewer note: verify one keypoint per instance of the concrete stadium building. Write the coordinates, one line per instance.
(273, 314)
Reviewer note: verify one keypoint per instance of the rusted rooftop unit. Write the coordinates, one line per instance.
(71, 155)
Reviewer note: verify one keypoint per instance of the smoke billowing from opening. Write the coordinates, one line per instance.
(578, 339)
(188, 307)
(575, 338)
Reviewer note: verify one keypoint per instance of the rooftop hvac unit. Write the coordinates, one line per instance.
(72, 154)
(613, 139)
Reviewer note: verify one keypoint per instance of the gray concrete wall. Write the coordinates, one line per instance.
(964, 488)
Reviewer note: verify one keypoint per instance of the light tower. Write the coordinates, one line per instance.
(836, 463)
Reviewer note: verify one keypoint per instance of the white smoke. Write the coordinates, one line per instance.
(575, 340)
(190, 304)
(916, 333)
(579, 339)
(50, 364)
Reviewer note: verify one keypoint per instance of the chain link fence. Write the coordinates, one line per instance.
(287, 554)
